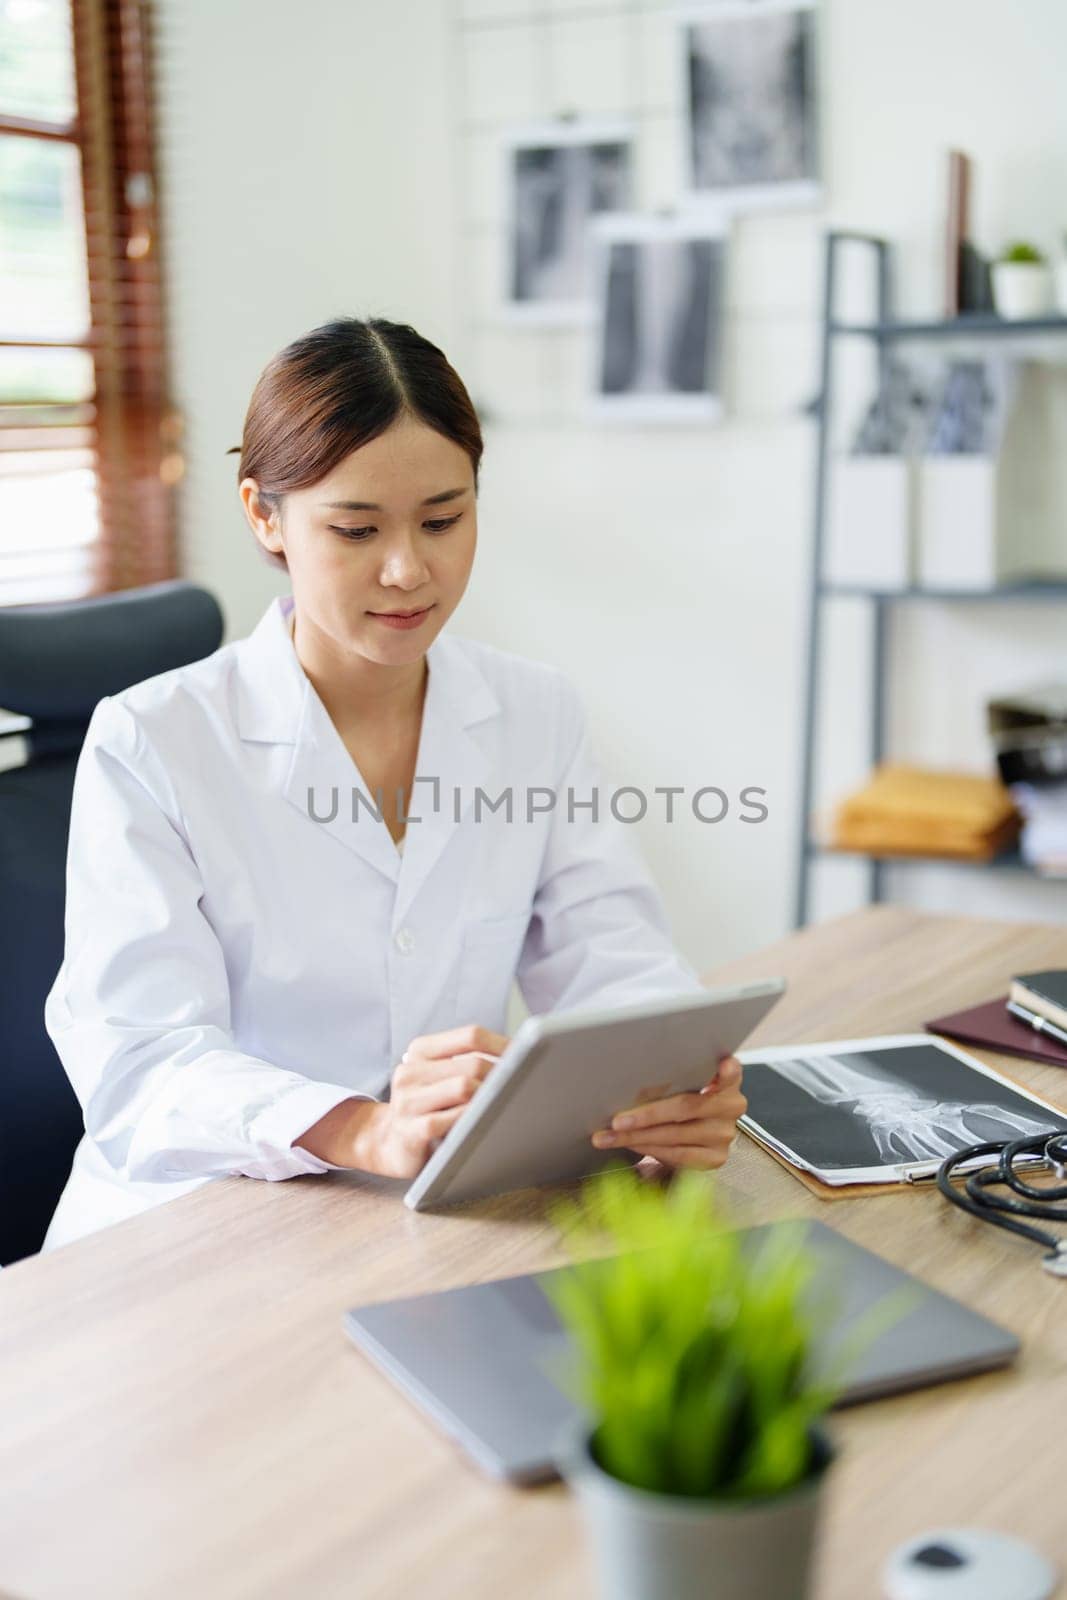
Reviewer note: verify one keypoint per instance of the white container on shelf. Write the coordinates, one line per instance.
(1061, 285)
(960, 523)
(870, 523)
(1022, 289)
(986, 520)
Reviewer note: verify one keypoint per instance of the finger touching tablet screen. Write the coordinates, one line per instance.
(564, 1076)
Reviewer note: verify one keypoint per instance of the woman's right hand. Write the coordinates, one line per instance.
(429, 1091)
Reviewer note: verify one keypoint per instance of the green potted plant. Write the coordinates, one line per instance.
(1022, 285)
(700, 1460)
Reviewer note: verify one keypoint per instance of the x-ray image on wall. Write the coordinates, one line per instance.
(751, 136)
(659, 347)
(559, 177)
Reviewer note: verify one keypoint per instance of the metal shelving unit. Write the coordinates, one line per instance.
(886, 331)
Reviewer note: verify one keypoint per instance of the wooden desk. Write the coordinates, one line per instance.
(182, 1416)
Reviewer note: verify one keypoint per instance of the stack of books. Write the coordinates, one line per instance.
(1030, 1020)
(915, 811)
(1043, 844)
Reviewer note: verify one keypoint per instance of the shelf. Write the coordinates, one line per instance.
(1007, 861)
(1026, 589)
(981, 325)
(976, 334)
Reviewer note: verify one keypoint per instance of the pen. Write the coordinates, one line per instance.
(1039, 1024)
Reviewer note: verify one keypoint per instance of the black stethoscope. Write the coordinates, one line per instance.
(977, 1196)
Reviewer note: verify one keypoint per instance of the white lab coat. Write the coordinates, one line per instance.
(239, 959)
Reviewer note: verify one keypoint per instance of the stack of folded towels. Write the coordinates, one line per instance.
(912, 811)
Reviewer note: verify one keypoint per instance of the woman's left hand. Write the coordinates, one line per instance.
(687, 1130)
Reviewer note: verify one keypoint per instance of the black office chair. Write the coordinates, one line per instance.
(56, 662)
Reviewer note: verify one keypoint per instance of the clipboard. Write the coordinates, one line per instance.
(919, 1087)
(836, 1191)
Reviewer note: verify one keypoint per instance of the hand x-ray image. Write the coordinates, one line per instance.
(560, 178)
(890, 1106)
(751, 101)
(660, 346)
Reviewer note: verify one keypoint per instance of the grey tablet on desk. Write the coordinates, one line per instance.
(564, 1075)
(477, 1359)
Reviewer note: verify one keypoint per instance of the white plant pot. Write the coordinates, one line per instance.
(651, 1546)
(1061, 286)
(1021, 289)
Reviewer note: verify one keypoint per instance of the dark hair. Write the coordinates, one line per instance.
(337, 388)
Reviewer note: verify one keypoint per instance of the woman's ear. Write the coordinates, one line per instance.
(262, 514)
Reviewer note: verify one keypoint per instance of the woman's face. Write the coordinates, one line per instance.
(391, 529)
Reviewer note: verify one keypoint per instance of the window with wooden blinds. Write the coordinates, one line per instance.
(88, 444)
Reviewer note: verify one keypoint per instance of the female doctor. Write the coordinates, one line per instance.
(297, 895)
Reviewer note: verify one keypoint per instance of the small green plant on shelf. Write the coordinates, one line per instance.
(1023, 253)
(692, 1350)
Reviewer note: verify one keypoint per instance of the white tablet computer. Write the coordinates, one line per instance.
(564, 1076)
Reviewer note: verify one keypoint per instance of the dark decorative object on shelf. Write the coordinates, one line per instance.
(968, 286)
(976, 282)
(1029, 733)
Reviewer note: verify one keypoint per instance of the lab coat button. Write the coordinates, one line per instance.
(405, 941)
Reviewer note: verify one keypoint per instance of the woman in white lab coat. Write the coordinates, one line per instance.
(297, 891)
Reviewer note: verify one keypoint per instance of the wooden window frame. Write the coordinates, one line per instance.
(131, 429)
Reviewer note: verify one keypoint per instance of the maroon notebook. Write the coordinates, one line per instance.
(993, 1026)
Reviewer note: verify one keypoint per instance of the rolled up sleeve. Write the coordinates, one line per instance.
(139, 1012)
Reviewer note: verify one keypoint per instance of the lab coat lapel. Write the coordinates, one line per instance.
(325, 785)
(452, 762)
(277, 704)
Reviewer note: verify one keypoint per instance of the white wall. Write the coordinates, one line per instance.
(343, 161)
(306, 173)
